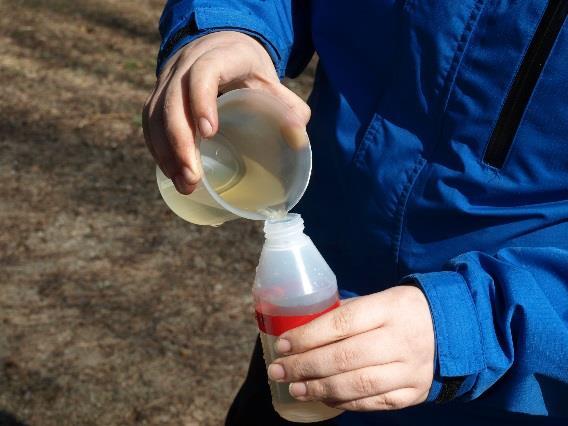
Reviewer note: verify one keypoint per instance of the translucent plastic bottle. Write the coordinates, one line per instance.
(293, 285)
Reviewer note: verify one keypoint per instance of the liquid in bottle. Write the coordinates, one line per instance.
(293, 285)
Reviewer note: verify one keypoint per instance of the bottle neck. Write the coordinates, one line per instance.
(285, 231)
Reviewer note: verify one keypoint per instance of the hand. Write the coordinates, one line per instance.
(373, 353)
(185, 94)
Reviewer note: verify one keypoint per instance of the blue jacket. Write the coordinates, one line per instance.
(440, 140)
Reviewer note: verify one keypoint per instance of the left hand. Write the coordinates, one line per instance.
(373, 353)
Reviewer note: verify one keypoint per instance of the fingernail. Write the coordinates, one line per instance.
(297, 389)
(205, 127)
(282, 346)
(276, 372)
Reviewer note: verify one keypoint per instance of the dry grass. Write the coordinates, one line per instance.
(112, 310)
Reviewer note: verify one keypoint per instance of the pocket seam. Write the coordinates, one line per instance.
(368, 137)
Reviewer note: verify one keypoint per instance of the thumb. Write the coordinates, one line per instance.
(295, 104)
(293, 127)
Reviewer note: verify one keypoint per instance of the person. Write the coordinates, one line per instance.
(439, 195)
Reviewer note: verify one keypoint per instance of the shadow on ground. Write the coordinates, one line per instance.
(112, 310)
(6, 419)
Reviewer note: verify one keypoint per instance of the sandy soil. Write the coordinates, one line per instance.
(112, 310)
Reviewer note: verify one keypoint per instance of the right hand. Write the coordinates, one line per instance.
(184, 99)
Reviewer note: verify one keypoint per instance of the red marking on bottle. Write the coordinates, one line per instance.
(275, 325)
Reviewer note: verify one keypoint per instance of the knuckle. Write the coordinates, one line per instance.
(343, 359)
(391, 402)
(315, 389)
(300, 370)
(203, 64)
(298, 337)
(341, 321)
(290, 366)
(364, 384)
(186, 52)
(332, 391)
(321, 389)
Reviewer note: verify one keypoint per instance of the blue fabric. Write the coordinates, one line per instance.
(405, 99)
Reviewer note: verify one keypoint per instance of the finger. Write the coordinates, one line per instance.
(358, 316)
(204, 78)
(394, 400)
(146, 127)
(178, 127)
(148, 110)
(158, 139)
(295, 104)
(374, 347)
(296, 117)
(353, 385)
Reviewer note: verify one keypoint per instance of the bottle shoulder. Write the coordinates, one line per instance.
(284, 276)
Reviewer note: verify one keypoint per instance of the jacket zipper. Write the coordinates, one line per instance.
(524, 83)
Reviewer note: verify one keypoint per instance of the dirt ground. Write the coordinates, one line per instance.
(112, 310)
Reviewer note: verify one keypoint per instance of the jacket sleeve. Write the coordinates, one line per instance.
(501, 321)
(282, 26)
